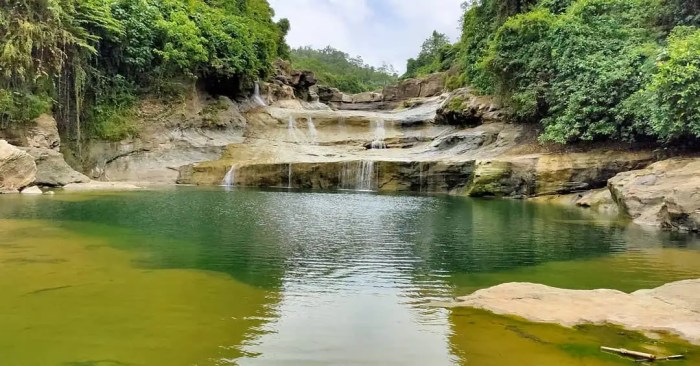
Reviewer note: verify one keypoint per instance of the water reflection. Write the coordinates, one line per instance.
(343, 278)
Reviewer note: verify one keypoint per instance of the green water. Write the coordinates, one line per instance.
(215, 277)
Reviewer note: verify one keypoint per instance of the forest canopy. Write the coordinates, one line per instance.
(52, 50)
(588, 69)
(338, 69)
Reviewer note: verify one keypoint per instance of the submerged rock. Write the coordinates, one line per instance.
(17, 168)
(669, 308)
(665, 194)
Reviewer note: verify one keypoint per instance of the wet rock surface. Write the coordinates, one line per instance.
(670, 308)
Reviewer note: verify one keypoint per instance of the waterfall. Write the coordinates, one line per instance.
(256, 96)
(289, 176)
(379, 135)
(420, 177)
(292, 131)
(359, 176)
(313, 134)
(365, 176)
(230, 177)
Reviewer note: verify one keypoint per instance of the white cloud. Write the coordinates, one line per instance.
(378, 30)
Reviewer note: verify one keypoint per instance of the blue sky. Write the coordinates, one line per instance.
(378, 30)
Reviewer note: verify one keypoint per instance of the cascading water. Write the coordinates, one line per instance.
(230, 177)
(256, 96)
(359, 176)
(292, 131)
(313, 134)
(289, 176)
(379, 135)
(365, 176)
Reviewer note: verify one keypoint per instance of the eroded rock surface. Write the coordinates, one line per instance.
(666, 194)
(17, 168)
(673, 307)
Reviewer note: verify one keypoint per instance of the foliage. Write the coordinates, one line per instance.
(51, 50)
(674, 91)
(437, 54)
(337, 69)
(586, 69)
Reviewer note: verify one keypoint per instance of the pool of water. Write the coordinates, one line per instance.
(239, 277)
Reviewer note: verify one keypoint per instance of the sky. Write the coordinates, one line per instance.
(379, 31)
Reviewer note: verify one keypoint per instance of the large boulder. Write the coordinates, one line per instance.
(427, 86)
(17, 168)
(406, 89)
(52, 169)
(432, 85)
(464, 108)
(328, 94)
(665, 194)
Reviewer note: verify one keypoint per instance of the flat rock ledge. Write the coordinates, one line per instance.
(672, 308)
(102, 186)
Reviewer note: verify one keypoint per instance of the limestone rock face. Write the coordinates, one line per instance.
(17, 168)
(547, 174)
(463, 108)
(669, 308)
(367, 97)
(665, 194)
(432, 85)
(41, 133)
(428, 86)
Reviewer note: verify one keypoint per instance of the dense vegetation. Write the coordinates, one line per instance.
(88, 60)
(337, 69)
(436, 54)
(584, 69)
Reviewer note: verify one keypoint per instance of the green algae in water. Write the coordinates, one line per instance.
(208, 277)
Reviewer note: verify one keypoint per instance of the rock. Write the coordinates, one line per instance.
(52, 169)
(432, 85)
(44, 134)
(669, 308)
(332, 95)
(273, 92)
(33, 190)
(427, 86)
(301, 81)
(466, 140)
(464, 108)
(549, 174)
(597, 200)
(222, 112)
(41, 133)
(504, 178)
(101, 186)
(405, 89)
(367, 97)
(17, 168)
(665, 194)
